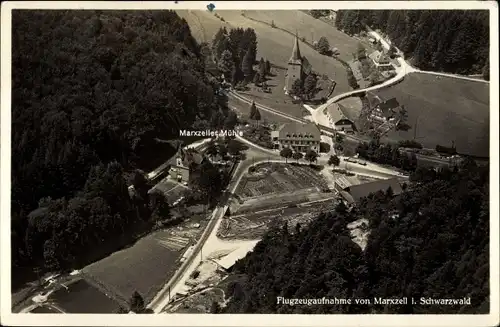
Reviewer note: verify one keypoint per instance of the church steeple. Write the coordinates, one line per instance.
(296, 57)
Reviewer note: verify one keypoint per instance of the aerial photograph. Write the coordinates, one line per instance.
(250, 161)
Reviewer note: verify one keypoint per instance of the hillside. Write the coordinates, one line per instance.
(443, 110)
(91, 92)
(431, 242)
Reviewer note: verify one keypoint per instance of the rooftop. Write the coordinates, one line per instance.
(379, 58)
(296, 56)
(357, 192)
(299, 130)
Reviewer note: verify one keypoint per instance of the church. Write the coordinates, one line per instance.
(298, 67)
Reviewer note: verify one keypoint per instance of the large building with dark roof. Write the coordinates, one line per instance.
(352, 194)
(299, 137)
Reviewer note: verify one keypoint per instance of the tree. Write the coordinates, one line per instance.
(231, 120)
(215, 307)
(334, 160)
(211, 149)
(360, 51)
(323, 45)
(262, 69)
(318, 13)
(222, 150)
(310, 86)
(247, 65)
(486, 70)
(286, 153)
(160, 209)
(234, 147)
(137, 303)
(297, 156)
(311, 156)
(226, 64)
(257, 78)
(297, 88)
(257, 115)
(253, 110)
(268, 67)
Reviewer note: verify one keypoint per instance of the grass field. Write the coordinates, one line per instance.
(82, 297)
(444, 110)
(143, 267)
(276, 45)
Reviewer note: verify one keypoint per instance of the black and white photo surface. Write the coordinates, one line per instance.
(249, 163)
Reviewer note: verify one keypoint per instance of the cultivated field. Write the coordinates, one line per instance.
(274, 44)
(444, 110)
(273, 178)
(146, 265)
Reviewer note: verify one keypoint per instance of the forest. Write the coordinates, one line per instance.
(431, 241)
(92, 92)
(455, 41)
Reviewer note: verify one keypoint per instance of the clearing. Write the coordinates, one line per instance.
(442, 110)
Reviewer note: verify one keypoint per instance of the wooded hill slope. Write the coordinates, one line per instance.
(91, 91)
(455, 41)
(432, 241)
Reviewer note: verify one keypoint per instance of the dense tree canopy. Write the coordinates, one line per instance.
(432, 241)
(454, 41)
(91, 92)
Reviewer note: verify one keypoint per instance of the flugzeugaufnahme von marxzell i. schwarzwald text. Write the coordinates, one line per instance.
(423, 301)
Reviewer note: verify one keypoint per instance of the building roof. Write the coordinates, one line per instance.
(296, 57)
(299, 131)
(229, 260)
(357, 192)
(336, 113)
(379, 58)
(346, 181)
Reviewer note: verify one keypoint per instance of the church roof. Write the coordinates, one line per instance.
(296, 56)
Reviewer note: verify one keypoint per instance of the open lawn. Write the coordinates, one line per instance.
(242, 109)
(275, 44)
(82, 297)
(143, 267)
(443, 110)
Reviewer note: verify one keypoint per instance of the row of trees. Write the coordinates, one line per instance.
(235, 53)
(432, 241)
(387, 154)
(91, 93)
(288, 153)
(455, 41)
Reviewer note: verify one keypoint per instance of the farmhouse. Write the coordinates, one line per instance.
(354, 193)
(298, 67)
(180, 170)
(338, 120)
(381, 61)
(386, 110)
(298, 137)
